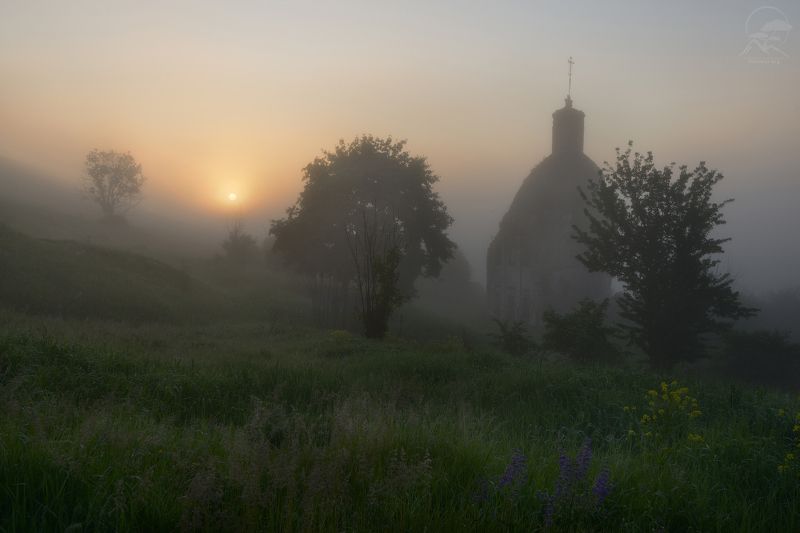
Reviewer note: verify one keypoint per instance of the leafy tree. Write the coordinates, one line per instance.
(581, 334)
(367, 218)
(114, 181)
(240, 247)
(651, 229)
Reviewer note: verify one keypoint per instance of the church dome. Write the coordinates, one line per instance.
(531, 262)
(551, 190)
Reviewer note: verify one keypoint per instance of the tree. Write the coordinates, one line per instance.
(651, 229)
(114, 181)
(581, 334)
(369, 220)
(240, 247)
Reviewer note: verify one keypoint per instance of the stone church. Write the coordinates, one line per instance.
(531, 264)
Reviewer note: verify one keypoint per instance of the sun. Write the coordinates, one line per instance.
(232, 197)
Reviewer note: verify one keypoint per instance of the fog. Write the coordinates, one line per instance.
(314, 265)
(214, 98)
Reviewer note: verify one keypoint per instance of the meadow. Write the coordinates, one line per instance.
(240, 416)
(257, 426)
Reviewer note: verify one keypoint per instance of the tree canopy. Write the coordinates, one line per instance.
(367, 205)
(114, 181)
(652, 229)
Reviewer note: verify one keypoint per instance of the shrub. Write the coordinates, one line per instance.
(790, 462)
(240, 247)
(580, 334)
(667, 415)
(762, 356)
(513, 337)
(338, 343)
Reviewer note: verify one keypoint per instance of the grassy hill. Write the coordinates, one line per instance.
(74, 279)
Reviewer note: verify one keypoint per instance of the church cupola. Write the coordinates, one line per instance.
(568, 124)
(568, 129)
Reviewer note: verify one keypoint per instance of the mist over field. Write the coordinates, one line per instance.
(360, 266)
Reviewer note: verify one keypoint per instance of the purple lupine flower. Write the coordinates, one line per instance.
(565, 476)
(515, 471)
(602, 486)
(583, 460)
(549, 511)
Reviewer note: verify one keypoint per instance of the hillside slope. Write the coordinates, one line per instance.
(72, 279)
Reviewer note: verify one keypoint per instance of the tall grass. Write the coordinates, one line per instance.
(108, 426)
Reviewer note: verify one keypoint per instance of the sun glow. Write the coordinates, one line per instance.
(232, 197)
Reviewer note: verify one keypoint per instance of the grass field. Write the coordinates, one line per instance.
(161, 402)
(268, 426)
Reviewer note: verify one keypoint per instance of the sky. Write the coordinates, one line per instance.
(217, 97)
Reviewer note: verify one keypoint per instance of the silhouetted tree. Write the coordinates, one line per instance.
(240, 247)
(651, 229)
(582, 334)
(367, 218)
(114, 181)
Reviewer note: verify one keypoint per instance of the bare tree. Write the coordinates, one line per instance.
(114, 181)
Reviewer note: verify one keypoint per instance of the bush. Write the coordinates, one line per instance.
(240, 247)
(513, 337)
(762, 356)
(668, 415)
(580, 334)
